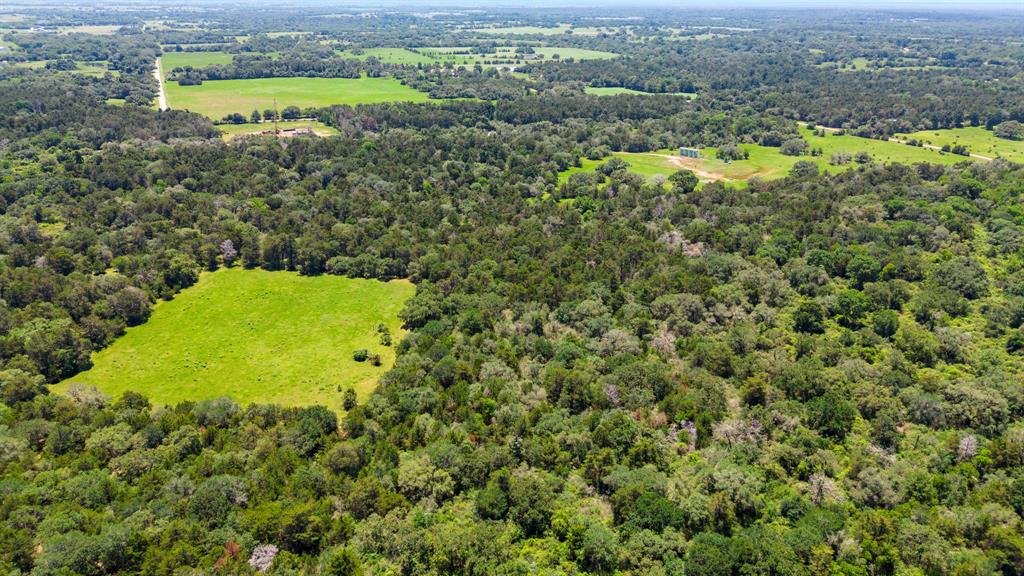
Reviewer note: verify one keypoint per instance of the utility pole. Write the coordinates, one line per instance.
(277, 132)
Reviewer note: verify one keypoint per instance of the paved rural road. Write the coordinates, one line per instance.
(160, 80)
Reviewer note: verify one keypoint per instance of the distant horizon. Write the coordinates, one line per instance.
(924, 6)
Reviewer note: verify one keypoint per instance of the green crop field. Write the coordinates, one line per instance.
(256, 336)
(171, 60)
(235, 130)
(977, 139)
(217, 98)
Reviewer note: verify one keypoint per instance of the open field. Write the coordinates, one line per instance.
(977, 139)
(561, 29)
(615, 90)
(563, 53)
(391, 55)
(256, 336)
(880, 150)
(98, 68)
(97, 29)
(217, 98)
(232, 131)
(768, 162)
(547, 31)
(171, 60)
(463, 56)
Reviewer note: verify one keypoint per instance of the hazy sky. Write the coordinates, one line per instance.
(960, 5)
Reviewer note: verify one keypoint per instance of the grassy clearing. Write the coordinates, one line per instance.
(217, 98)
(767, 162)
(256, 336)
(95, 69)
(880, 150)
(615, 90)
(563, 53)
(977, 139)
(171, 60)
(464, 56)
(853, 65)
(513, 30)
(391, 55)
(97, 30)
(561, 29)
(232, 131)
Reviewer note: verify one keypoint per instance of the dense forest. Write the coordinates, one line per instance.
(604, 374)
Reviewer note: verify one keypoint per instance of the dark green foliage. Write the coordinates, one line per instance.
(832, 415)
(683, 181)
(885, 323)
(809, 317)
(963, 275)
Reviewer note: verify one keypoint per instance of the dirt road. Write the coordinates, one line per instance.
(161, 95)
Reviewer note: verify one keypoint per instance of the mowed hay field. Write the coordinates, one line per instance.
(218, 98)
(256, 336)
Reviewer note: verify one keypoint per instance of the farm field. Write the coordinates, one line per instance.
(977, 139)
(768, 162)
(171, 60)
(615, 90)
(217, 98)
(256, 336)
(232, 131)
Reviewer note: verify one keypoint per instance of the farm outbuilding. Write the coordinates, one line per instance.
(689, 152)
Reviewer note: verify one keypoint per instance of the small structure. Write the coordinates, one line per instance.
(689, 153)
(295, 131)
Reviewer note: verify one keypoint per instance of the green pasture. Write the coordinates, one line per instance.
(391, 55)
(171, 60)
(232, 131)
(256, 336)
(462, 56)
(769, 162)
(218, 98)
(977, 139)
